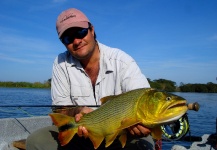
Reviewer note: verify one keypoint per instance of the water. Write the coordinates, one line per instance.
(24, 96)
(201, 122)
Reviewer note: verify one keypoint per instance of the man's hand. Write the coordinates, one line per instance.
(139, 130)
(82, 131)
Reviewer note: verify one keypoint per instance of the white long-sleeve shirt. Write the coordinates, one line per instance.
(118, 73)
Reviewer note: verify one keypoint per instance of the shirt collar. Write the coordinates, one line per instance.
(105, 63)
(72, 62)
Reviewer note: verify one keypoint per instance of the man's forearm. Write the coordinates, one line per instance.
(70, 111)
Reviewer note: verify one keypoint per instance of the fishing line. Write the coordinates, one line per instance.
(53, 108)
(7, 111)
(22, 125)
(25, 112)
(21, 110)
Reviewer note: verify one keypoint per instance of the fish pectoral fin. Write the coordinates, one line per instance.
(65, 136)
(127, 122)
(156, 133)
(60, 119)
(123, 138)
(110, 138)
(96, 139)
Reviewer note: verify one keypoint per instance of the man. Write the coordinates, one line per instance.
(82, 75)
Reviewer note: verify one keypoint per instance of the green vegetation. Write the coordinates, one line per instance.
(200, 88)
(161, 84)
(46, 84)
(170, 86)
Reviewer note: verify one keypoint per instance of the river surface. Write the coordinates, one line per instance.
(201, 122)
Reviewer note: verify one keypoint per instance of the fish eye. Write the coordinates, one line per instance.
(168, 98)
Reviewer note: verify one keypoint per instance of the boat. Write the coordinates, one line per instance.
(14, 131)
(208, 142)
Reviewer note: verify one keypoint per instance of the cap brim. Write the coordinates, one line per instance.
(82, 24)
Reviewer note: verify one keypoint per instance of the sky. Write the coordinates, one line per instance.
(169, 39)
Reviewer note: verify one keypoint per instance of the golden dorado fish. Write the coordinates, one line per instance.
(150, 107)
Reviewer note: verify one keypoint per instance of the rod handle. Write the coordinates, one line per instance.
(193, 106)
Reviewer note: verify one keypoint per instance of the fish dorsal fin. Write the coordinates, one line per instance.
(123, 138)
(96, 139)
(105, 99)
(110, 138)
(156, 133)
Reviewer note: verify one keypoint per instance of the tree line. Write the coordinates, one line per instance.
(161, 84)
(170, 86)
(46, 84)
(200, 88)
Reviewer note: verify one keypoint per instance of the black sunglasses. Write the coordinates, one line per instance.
(79, 34)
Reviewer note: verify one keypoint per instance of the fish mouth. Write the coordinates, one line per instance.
(174, 111)
(176, 105)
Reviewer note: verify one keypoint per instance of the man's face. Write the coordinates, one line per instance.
(79, 42)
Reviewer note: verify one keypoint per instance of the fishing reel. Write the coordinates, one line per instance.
(177, 129)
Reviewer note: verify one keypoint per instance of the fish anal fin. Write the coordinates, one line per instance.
(123, 138)
(96, 139)
(110, 138)
(60, 119)
(65, 136)
(156, 133)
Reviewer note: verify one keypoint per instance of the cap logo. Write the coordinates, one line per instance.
(67, 17)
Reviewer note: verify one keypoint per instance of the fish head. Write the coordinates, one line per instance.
(158, 107)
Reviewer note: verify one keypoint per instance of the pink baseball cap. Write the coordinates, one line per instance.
(70, 18)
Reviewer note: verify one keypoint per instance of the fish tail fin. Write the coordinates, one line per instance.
(66, 126)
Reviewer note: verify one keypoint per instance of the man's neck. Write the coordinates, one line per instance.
(91, 66)
(93, 60)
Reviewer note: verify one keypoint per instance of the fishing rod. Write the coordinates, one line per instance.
(182, 124)
(191, 106)
(49, 106)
